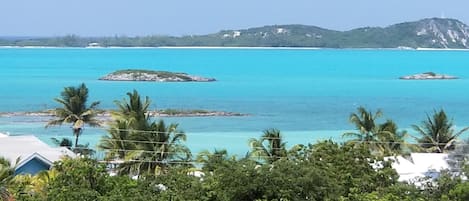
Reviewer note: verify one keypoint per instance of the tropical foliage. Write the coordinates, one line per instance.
(211, 161)
(134, 111)
(322, 171)
(157, 149)
(382, 138)
(332, 172)
(118, 141)
(75, 110)
(437, 133)
(364, 122)
(394, 142)
(154, 164)
(64, 142)
(130, 120)
(6, 175)
(369, 132)
(148, 147)
(270, 147)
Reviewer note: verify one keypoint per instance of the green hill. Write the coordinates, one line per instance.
(426, 33)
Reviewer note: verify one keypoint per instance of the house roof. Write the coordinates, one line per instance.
(28, 147)
(35, 156)
(419, 165)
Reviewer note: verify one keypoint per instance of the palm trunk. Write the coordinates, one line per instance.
(76, 132)
(76, 141)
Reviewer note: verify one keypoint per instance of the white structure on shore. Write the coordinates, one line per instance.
(419, 165)
(93, 45)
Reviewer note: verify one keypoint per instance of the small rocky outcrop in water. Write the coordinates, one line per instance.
(428, 76)
(154, 76)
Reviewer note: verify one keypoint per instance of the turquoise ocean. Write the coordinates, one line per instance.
(306, 93)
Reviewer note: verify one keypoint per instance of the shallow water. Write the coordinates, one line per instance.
(308, 94)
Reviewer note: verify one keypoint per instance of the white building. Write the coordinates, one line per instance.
(33, 154)
(419, 165)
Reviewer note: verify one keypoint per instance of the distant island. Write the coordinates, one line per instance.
(153, 76)
(425, 33)
(193, 113)
(105, 115)
(428, 76)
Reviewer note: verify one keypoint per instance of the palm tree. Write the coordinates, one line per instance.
(270, 147)
(394, 142)
(156, 149)
(437, 133)
(128, 121)
(369, 132)
(7, 172)
(34, 185)
(23, 186)
(40, 182)
(133, 110)
(213, 160)
(119, 140)
(75, 111)
(64, 142)
(147, 147)
(364, 122)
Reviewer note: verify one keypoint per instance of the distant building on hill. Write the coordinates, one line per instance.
(91, 45)
(34, 155)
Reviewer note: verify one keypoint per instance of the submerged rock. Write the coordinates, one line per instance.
(428, 76)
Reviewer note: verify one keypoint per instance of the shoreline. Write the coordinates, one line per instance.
(233, 47)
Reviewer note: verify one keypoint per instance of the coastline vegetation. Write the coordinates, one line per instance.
(439, 33)
(147, 159)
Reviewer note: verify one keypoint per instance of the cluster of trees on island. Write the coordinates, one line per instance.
(151, 162)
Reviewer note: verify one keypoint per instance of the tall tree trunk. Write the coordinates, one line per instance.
(76, 132)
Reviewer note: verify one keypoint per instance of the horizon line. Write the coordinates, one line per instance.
(190, 35)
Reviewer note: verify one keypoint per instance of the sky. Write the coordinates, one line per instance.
(188, 17)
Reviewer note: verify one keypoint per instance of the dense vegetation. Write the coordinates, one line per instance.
(426, 33)
(147, 159)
